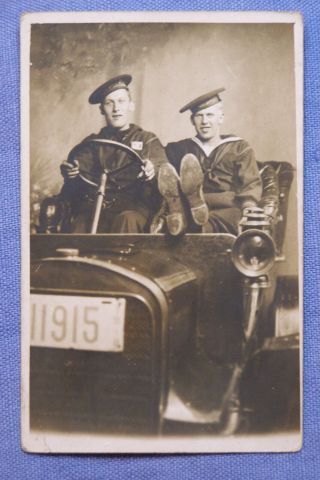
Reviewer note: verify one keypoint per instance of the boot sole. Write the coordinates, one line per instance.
(168, 185)
(191, 185)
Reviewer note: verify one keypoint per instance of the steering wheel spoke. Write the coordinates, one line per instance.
(112, 183)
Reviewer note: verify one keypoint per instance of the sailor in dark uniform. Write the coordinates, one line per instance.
(215, 176)
(126, 210)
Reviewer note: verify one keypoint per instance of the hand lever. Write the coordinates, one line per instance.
(99, 202)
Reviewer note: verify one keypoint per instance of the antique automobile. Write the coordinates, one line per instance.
(150, 334)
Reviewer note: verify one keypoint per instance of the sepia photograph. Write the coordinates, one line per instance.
(162, 169)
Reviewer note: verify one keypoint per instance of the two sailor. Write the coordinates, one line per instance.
(206, 181)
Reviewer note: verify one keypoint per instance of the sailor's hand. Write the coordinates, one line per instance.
(270, 210)
(148, 169)
(69, 171)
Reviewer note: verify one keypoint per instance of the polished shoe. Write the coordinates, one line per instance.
(168, 184)
(191, 180)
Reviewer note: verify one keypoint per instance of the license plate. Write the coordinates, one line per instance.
(82, 323)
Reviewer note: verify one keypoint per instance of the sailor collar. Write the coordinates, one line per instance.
(208, 149)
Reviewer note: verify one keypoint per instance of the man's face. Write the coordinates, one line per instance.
(207, 121)
(116, 109)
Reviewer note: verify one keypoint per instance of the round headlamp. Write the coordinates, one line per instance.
(253, 253)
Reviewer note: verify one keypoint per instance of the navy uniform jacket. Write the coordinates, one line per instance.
(93, 158)
(232, 177)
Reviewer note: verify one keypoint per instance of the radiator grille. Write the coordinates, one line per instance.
(73, 390)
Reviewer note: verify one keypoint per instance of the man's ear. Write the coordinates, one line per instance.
(131, 106)
(192, 119)
(221, 118)
(101, 109)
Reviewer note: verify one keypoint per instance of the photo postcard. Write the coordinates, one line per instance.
(162, 167)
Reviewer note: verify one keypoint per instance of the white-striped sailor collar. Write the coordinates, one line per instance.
(207, 148)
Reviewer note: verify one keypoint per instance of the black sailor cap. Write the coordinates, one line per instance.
(205, 101)
(115, 83)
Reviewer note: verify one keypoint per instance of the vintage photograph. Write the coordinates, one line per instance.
(162, 169)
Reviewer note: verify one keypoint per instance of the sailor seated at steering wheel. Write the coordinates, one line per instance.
(131, 196)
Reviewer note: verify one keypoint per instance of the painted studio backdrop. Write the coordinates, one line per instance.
(171, 64)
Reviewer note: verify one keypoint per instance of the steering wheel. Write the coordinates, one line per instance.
(118, 178)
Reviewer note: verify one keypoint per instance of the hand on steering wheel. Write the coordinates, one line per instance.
(70, 171)
(148, 169)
